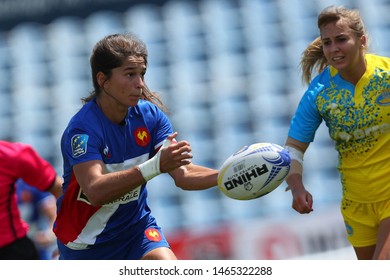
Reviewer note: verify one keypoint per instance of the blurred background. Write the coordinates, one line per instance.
(229, 72)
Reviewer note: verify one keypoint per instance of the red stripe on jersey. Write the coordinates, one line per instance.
(74, 213)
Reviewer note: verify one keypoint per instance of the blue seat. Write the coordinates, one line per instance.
(145, 20)
(100, 24)
(34, 74)
(66, 38)
(27, 34)
(184, 31)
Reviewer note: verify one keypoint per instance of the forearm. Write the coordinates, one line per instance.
(294, 177)
(56, 188)
(302, 199)
(195, 177)
(102, 187)
(296, 150)
(294, 182)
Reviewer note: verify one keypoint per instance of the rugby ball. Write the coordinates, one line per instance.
(254, 171)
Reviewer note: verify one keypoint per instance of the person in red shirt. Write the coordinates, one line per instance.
(21, 161)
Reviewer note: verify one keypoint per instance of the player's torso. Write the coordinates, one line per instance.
(120, 147)
(11, 226)
(358, 119)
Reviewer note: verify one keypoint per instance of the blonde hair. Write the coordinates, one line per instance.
(313, 59)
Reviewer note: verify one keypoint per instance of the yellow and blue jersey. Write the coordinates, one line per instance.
(358, 120)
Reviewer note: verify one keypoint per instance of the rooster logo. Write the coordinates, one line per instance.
(153, 234)
(141, 136)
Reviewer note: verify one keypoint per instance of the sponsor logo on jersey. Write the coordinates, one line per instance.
(153, 234)
(106, 152)
(130, 196)
(383, 99)
(142, 136)
(373, 131)
(79, 144)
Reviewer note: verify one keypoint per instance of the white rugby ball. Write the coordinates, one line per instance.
(254, 171)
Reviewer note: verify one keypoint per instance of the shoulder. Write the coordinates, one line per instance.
(21, 156)
(325, 77)
(377, 61)
(14, 149)
(320, 82)
(144, 106)
(87, 111)
(82, 127)
(85, 118)
(148, 110)
(7, 148)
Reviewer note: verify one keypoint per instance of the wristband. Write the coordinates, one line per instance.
(295, 154)
(151, 168)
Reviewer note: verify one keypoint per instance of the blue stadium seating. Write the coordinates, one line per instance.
(228, 71)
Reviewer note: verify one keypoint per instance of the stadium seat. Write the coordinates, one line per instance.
(100, 24)
(66, 37)
(27, 34)
(184, 31)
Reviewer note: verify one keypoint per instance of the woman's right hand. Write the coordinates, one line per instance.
(302, 200)
(174, 154)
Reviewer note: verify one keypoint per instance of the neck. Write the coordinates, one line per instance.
(115, 112)
(354, 74)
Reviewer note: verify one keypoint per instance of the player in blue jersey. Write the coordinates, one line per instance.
(120, 139)
(38, 209)
(351, 94)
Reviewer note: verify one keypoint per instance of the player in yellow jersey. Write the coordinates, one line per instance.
(351, 94)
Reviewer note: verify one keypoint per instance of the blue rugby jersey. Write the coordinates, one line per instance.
(358, 120)
(91, 136)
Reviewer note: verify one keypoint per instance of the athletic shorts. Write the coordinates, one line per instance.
(130, 247)
(362, 220)
(21, 249)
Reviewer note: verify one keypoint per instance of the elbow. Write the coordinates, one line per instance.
(93, 200)
(184, 183)
(92, 197)
(96, 202)
(179, 177)
(180, 184)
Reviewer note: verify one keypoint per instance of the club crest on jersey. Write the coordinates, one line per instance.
(383, 99)
(142, 136)
(153, 234)
(79, 144)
